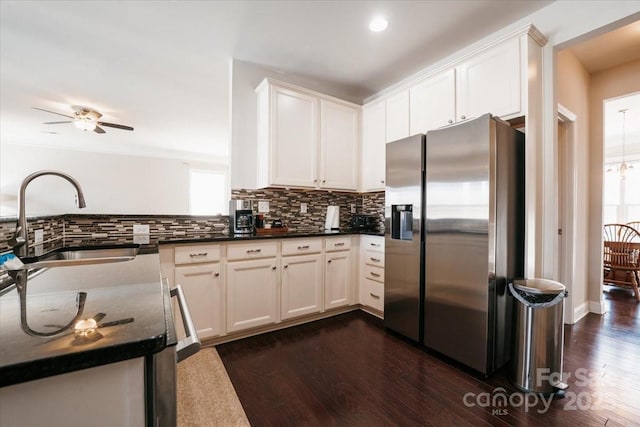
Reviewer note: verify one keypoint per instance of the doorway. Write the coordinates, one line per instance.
(621, 181)
(566, 203)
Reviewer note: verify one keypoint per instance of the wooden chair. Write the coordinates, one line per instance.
(622, 257)
(635, 225)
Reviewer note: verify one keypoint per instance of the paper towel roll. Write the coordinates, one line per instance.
(332, 221)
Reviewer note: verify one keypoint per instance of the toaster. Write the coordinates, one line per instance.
(362, 222)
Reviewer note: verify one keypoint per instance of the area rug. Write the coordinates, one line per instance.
(206, 396)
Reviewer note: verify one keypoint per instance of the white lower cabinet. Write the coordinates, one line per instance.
(338, 273)
(252, 293)
(372, 272)
(302, 285)
(203, 287)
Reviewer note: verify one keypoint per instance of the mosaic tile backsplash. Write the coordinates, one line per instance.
(283, 204)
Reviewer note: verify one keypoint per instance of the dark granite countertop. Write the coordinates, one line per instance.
(149, 244)
(129, 295)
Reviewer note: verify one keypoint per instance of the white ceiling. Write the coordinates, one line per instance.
(603, 52)
(610, 49)
(163, 67)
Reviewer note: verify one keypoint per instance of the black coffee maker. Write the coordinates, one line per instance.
(241, 220)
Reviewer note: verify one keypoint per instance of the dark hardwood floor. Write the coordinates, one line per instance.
(347, 370)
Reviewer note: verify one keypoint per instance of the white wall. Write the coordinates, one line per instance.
(112, 183)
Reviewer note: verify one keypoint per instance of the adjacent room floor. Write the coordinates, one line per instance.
(347, 370)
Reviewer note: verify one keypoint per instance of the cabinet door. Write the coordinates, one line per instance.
(252, 288)
(432, 103)
(302, 285)
(338, 146)
(490, 82)
(294, 135)
(398, 116)
(373, 146)
(338, 279)
(202, 286)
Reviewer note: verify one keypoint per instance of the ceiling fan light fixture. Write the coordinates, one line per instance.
(378, 24)
(85, 124)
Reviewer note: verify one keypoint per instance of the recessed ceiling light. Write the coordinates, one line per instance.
(378, 24)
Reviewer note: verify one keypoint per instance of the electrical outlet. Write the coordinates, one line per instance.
(142, 239)
(263, 206)
(38, 236)
(303, 208)
(353, 208)
(140, 228)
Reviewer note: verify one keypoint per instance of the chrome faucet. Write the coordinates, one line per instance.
(20, 241)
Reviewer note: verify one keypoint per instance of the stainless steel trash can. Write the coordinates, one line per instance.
(539, 334)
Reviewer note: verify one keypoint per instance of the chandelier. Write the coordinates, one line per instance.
(623, 166)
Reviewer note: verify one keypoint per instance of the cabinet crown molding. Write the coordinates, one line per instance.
(458, 57)
(268, 81)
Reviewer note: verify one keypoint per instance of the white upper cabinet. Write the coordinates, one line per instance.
(339, 132)
(305, 139)
(288, 137)
(491, 82)
(373, 146)
(397, 116)
(432, 102)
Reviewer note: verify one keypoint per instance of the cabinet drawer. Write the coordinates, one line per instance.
(374, 294)
(373, 258)
(374, 273)
(338, 244)
(196, 254)
(251, 250)
(299, 247)
(373, 243)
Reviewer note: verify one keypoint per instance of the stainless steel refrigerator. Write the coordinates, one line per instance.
(470, 239)
(404, 243)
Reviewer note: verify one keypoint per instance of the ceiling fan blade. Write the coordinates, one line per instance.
(113, 125)
(56, 123)
(52, 112)
(98, 129)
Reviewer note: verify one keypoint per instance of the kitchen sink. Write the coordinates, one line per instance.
(81, 256)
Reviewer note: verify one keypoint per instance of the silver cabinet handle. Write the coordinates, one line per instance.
(463, 117)
(375, 244)
(374, 274)
(382, 181)
(191, 344)
(375, 259)
(449, 121)
(339, 244)
(254, 251)
(374, 295)
(198, 254)
(303, 247)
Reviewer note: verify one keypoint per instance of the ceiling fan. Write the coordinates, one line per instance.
(84, 118)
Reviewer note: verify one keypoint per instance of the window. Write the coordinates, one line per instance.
(622, 147)
(207, 192)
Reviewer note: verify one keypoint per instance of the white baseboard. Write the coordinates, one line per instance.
(580, 311)
(596, 307)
